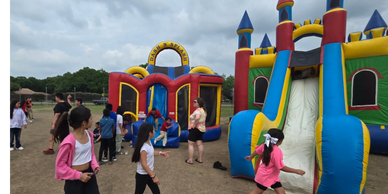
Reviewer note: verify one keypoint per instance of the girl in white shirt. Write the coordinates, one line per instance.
(144, 154)
(18, 119)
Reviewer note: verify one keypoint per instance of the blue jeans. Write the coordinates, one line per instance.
(16, 132)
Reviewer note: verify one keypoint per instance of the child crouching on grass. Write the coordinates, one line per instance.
(144, 154)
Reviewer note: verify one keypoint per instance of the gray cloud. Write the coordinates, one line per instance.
(49, 38)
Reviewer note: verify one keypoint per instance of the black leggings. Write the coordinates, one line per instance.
(144, 179)
(79, 187)
(105, 144)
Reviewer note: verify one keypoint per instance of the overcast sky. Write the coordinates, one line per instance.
(52, 37)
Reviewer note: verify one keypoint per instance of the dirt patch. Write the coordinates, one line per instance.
(33, 172)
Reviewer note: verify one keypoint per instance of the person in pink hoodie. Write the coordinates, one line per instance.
(76, 162)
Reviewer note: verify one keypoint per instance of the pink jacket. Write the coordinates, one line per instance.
(63, 170)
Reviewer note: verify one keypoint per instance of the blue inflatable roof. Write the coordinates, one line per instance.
(245, 22)
(265, 42)
(376, 21)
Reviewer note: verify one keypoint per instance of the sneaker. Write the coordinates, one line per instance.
(114, 158)
(20, 148)
(119, 153)
(105, 159)
(12, 149)
(48, 151)
(31, 121)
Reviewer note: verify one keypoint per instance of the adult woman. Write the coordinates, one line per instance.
(196, 130)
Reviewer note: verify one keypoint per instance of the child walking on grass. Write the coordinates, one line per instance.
(144, 154)
(272, 162)
(76, 162)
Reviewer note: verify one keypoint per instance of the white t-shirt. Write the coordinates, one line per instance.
(150, 158)
(119, 123)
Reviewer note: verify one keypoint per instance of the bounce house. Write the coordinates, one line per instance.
(329, 102)
(170, 90)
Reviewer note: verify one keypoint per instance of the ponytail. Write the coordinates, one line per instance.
(77, 117)
(274, 135)
(61, 129)
(267, 154)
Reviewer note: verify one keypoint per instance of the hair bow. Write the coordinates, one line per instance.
(269, 139)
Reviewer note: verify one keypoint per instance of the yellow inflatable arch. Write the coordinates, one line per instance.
(139, 72)
(202, 69)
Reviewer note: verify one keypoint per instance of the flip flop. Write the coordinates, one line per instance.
(188, 162)
(110, 162)
(198, 161)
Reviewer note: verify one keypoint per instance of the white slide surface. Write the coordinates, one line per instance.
(298, 146)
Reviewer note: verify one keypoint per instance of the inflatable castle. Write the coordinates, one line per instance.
(170, 90)
(329, 101)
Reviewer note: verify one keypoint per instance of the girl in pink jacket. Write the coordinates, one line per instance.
(76, 162)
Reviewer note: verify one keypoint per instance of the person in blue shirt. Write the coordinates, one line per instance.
(107, 126)
(113, 116)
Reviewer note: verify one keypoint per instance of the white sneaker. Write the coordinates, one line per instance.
(12, 149)
(20, 148)
(105, 159)
(30, 121)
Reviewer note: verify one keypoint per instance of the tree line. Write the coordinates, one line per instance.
(87, 80)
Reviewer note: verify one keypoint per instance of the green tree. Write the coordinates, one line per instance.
(144, 65)
(14, 86)
(227, 86)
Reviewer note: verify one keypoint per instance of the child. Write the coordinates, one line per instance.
(144, 154)
(18, 119)
(126, 122)
(76, 162)
(23, 106)
(107, 129)
(272, 162)
(29, 109)
(119, 129)
(96, 132)
(156, 115)
(163, 131)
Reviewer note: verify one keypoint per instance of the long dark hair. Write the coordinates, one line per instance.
(13, 104)
(201, 103)
(77, 116)
(142, 136)
(276, 133)
(120, 110)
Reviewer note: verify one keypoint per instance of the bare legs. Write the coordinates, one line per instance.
(191, 150)
(200, 150)
(279, 190)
